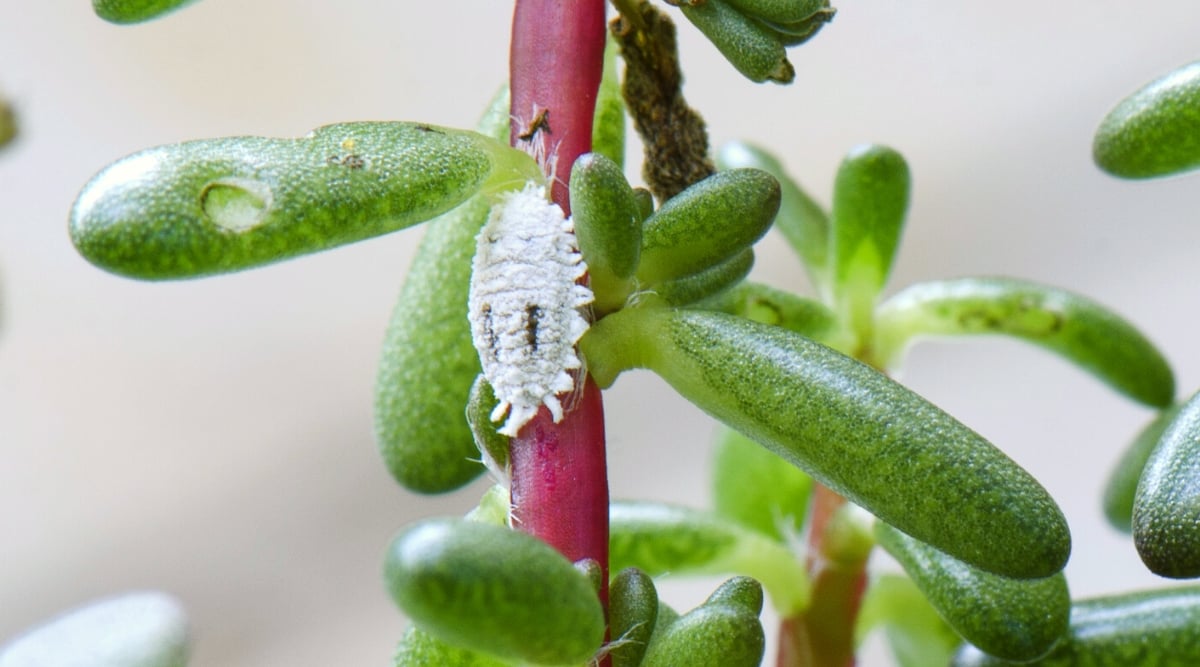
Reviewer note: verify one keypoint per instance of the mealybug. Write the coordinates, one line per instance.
(525, 305)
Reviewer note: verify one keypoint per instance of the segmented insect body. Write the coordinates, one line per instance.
(525, 305)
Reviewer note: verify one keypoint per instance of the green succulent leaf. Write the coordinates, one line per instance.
(1074, 327)
(219, 205)
(1155, 131)
(915, 632)
(794, 33)
(135, 11)
(633, 613)
(659, 539)
(608, 226)
(781, 11)
(495, 591)
(1017, 619)
(421, 649)
(706, 224)
(608, 126)
(492, 444)
(1122, 483)
(1147, 629)
(428, 364)
(1166, 507)
(721, 632)
(758, 489)
(870, 202)
(144, 629)
(850, 427)
(762, 303)
(801, 220)
(747, 44)
(707, 283)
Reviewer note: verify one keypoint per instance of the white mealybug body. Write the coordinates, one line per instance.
(525, 305)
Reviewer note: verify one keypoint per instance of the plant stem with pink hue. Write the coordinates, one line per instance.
(559, 471)
(555, 65)
(823, 636)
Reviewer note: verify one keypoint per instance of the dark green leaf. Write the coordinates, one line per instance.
(721, 632)
(1077, 329)
(608, 226)
(220, 205)
(1146, 629)
(1018, 619)
(707, 224)
(1166, 508)
(496, 591)
(748, 45)
(851, 428)
(1123, 482)
(707, 283)
(1155, 131)
(633, 613)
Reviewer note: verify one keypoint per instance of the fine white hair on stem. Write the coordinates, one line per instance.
(525, 305)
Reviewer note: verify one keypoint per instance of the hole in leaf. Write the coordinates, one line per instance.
(236, 204)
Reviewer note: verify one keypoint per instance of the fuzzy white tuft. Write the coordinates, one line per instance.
(525, 305)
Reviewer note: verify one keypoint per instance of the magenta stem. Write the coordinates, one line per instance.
(559, 471)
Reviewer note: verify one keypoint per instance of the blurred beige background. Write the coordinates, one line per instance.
(213, 438)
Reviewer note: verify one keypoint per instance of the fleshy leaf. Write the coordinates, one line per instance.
(421, 649)
(608, 127)
(428, 364)
(1155, 131)
(608, 226)
(492, 444)
(748, 45)
(850, 427)
(135, 11)
(660, 539)
(870, 203)
(768, 305)
(496, 591)
(1122, 484)
(1077, 329)
(1017, 619)
(633, 613)
(758, 489)
(1151, 628)
(707, 224)
(721, 632)
(219, 205)
(801, 220)
(708, 283)
(1166, 507)
(145, 629)
(915, 632)
(780, 11)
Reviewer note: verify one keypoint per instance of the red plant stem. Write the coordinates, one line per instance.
(555, 65)
(559, 471)
(823, 636)
(560, 481)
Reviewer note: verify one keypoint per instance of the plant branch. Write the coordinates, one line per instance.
(559, 470)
